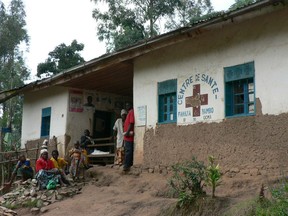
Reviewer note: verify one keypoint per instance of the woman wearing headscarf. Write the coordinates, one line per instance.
(46, 173)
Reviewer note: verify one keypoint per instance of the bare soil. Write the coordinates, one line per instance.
(109, 192)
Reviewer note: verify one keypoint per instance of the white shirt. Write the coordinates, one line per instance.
(118, 126)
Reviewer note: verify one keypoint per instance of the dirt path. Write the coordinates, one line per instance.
(110, 193)
(114, 194)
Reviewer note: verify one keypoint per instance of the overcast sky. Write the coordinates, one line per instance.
(52, 22)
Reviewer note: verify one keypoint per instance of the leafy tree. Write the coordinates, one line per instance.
(128, 21)
(241, 3)
(153, 10)
(187, 11)
(13, 71)
(62, 58)
(119, 26)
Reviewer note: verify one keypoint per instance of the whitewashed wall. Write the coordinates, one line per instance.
(263, 39)
(34, 102)
(77, 122)
(66, 125)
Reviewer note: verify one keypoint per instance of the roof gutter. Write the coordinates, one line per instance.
(136, 50)
(155, 43)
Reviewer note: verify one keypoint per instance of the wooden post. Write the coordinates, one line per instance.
(3, 173)
(37, 151)
(26, 150)
(1, 140)
(9, 167)
(16, 153)
(2, 165)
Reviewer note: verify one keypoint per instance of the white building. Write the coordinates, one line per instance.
(217, 87)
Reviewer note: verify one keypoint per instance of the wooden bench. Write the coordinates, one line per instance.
(99, 143)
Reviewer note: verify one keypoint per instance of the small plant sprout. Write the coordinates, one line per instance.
(213, 174)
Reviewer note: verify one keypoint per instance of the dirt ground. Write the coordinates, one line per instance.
(108, 192)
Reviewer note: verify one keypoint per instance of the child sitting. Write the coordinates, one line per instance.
(23, 168)
(78, 161)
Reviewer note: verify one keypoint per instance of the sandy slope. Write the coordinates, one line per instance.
(108, 192)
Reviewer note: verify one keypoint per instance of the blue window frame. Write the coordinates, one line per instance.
(167, 101)
(240, 90)
(45, 123)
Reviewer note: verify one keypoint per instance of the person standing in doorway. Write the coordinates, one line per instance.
(118, 130)
(129, 138)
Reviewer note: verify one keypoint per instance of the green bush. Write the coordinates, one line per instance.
(187, 179)
(278, 205)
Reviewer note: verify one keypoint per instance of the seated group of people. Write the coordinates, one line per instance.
(51, 171)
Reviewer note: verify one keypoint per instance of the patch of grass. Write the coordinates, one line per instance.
(16, 205)
(204, 206)
(30, 204)
(12, 206)
(277, 205)
(244, 208)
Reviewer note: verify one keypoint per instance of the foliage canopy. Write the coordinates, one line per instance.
(13, 71)
(125, 22)
(61, 58)
(241, 3)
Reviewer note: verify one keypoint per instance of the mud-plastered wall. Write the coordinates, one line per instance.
(256, 144)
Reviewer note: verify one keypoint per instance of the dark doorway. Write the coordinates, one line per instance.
(103, 124)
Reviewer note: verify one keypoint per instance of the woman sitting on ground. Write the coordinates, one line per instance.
(23, 169)
(46, 172)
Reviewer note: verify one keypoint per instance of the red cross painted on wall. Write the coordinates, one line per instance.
(196, 100)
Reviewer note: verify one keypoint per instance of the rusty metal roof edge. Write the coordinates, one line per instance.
(221, 18)
(143, 44)
(162, 37)
(7, 94)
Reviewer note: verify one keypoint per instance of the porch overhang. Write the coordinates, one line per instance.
(114, 72)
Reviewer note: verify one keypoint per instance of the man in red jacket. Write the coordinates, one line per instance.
(129, 137)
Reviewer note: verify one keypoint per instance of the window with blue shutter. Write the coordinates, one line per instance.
(45, 123)
(239, 90)
(167, 101)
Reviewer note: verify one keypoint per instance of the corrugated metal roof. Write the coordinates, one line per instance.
(114, 72)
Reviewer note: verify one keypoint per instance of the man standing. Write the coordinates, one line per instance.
(118, 129)
(129, 137)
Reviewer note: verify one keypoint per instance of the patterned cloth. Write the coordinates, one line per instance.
(120, 154)
(43, 177)
(78, 162)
